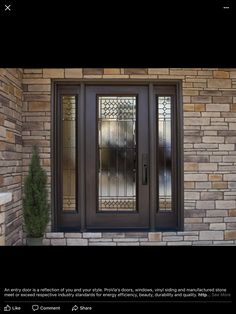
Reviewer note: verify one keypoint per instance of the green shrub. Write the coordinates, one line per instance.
(35, 201)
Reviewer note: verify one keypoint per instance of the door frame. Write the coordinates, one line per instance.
(179, 204)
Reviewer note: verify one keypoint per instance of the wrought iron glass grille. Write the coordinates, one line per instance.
(117, 153)
(164, 153)
(69, 152)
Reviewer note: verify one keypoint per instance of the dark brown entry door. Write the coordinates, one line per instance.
(117, 161)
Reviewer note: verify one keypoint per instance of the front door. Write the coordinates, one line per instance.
(117, 159)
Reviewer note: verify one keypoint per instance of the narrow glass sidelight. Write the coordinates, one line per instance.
(116, 153)
(69, 152)
(164, 153)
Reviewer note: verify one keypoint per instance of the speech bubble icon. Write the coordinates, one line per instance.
(35, 307)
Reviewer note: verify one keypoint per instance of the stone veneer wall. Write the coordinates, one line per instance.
(209, 100)
(11, 154)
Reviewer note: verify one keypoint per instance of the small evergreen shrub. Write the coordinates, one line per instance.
(35, 200)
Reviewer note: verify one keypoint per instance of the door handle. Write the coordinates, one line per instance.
(144, 169)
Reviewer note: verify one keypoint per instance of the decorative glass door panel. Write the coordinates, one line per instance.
(67, 174)
(164, 152)
(69, 152)
(117, 153)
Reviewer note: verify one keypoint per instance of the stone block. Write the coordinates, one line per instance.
(219, 185)
(232, 212)
(59, 242)
(203, 185)
(224, 243)
(213, 220)
(39, 106)
(2, 218)
(190, 166)
(53, 73)
(196, 121)
(230, 219)
(232, 185)
(221, 74)
(192, 213)
(172, 238)
(199, 107)
(136, 234)
(111, 71)
(99, 240)
(73, 73)
(154, 236)
(213, 139)
(113, 235)
(227, 147)
(192, 139)
(125, 239)
(158, 71)
(197, 227)
(92, 71)
(90, 235)
(192, 220)
(232, 74)
(232, 126)
(202, 243)
(219, 83)
(215, 177)
(217, 226)
(190, 238)
(10, 137)
(201, 99)
(188, 107)
(191, 195)
(39, 88)
(211, 195)
(229, 177)
(30, 126)
(188, 185)
(79, 242)
(29, 71)
(46, 242)
(230, 139)
(231, 226)
(205, 205)
(2, 240)
(226, 204)
(136, 71)
(230, 235)
(216, 213)
(211, 235)
(196, 158)
(207, 166)
(222, 99)
(217, 107)
(35, 81)
(54, 235)
(195, 177)
(77, 235)
(2, 132)
(188, 233)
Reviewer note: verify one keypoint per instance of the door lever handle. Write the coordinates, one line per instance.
(144, 169)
